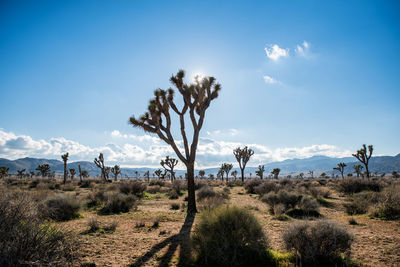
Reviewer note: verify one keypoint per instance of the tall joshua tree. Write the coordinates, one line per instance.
(197, 98)
(21, 173)
(147, 175)
(169, 164)
(72, 171)
(364, 156)
(159, 174)
(65, 159)
(4, 171)
(340, 168)
(100, 164)
(116, 170)
(243, 156)
(44, 169)
(80, 172)
(260, 171)
(275, 172)
(226, 167)
(357, 169)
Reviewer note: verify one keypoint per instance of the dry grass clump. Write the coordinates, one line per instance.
(153, 189)
(229, 236)
(233, 183)
(205, 192)
(175, 206)
(388, 207)
(355, 185)
(95, 198)
(60, 207)
(27, 240)
(160, 183)
(133, 187)
(116, 203)
(266, 187)
(318, 244)
(251, 184)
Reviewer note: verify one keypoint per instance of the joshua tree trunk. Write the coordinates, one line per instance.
(191, 190)
(242, 171)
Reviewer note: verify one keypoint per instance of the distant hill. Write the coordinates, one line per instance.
(318, 164)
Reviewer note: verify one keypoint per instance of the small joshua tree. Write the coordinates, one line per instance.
(311, 173)
(147, 175)
(340, 168)
(44, 169)
(85, 174)
(21, 173)
(243, 156)
(323, 175)
(220, 173)
(65, 159)
(159, 174)
(301, 175)
(100, 164)
(4, 171)
(226, 167)
(116, 170)
(363, 156)
(260, 171)
(32, 174)
(72, 171)
(275, 172)
(234, 173)
(80, 172)
(201, 174)
(197, 98)
(395, 174)
(169, 164)
(211, 176)
(357, 169)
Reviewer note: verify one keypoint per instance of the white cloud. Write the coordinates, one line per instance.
(269, 79)
(303, 49)
(274, 52)
(135, 152)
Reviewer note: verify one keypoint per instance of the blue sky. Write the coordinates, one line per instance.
(299, 78)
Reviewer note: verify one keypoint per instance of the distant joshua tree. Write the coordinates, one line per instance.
(159, 174)
(196, 100)
(80, 172)
(4, 171)
(32, 174)
(65, 159)
(395, 174)
(340, 168)
(100, 164)
(234, 173)
(169, 164)
(311, 173)
(116, 170)
(147, 175)
(211, 176)
(357, 169)
(220, 173)
(21, 173)
(260, 171)
(275, 172)
(301, 175)
(201, 174)
(323, 175)
(72, 171)
(85, 174)
(363, 156)
(243, 156)
(43, 169)
(226, 167)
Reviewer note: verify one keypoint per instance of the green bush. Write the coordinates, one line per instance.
(116, 203)
(230, 236)
(318, 244)
(60, 208)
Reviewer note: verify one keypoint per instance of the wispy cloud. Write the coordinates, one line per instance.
(270, 80)
(303, 49)
(210, 152)
(274, 52)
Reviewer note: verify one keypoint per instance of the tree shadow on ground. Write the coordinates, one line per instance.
(181, 239)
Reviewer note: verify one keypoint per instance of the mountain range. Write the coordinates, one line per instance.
(318, 164)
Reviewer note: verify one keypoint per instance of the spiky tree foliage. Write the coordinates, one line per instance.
(43, 169)
(147, 175)
(301, 175)
(80, 172)
(364, 156)
(20, 173)
(234, 173)
(197, 98)
(311, 173)
(220, 173)
(159, 174)
(32, 174)
(100, 164)
(357, 169)
(260, 171)
(116, 170)
(169, 164)
(275, 172)
(340, 168)
(323, 175)
(226, 168)
(395, 174)
(243, 156)
(201, 174)
(72, 172)
(4, 171)
(65, 159)
(85, 174)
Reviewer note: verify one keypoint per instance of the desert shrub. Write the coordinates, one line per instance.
(160, 183)
(93, 224)
(111, 227)
(68, 187)
(211, 203)
(355, 185)
(205, 192)
(172, 194)
(60, 208)
(265, 187)
(229, 236)
(308, 207)
(175, 206)
(199, 184)
(179, 186)
(233, 183)
(95, 198)
(140, 224)
(308, 204)
(117, 203)
(153, 189)
(389, 204)
(288, 200)
(352, 221)
(251, 184)
(133, 187)
(319, 192)
(318, 244)
(34, 183)
(85, 184)
(28, 241)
